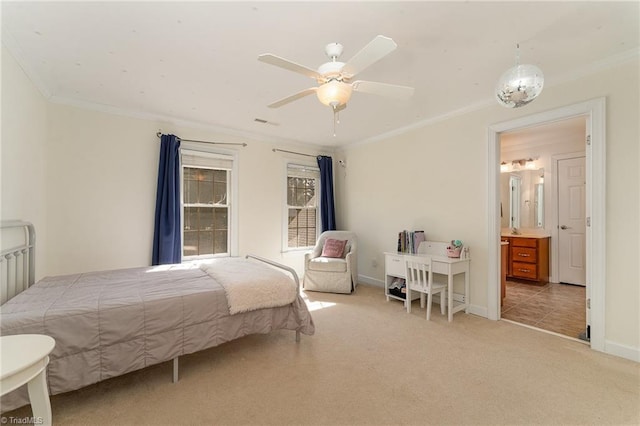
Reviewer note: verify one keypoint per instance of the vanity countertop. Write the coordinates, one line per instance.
(523, 235)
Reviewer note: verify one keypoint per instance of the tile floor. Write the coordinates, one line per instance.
(554, 307)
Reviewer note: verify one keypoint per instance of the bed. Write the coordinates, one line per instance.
(113, 322)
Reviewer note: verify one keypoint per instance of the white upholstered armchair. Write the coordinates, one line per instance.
(328, 270)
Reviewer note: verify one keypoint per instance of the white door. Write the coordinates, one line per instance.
(572, 221)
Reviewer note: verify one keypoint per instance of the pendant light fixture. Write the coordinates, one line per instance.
(519, 85)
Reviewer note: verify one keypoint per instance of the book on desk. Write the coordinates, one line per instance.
(409, 241)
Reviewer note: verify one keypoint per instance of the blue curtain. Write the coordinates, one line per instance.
(166, 234)
(327, 208)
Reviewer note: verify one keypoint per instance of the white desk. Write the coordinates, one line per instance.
(24, 360)
(395, 267)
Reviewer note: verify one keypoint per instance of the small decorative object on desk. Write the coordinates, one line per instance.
(454, 249)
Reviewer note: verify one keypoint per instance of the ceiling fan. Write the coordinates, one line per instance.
(334, 78)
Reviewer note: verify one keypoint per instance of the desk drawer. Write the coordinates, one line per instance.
(525, 270)
(524, 254)
(394, 265)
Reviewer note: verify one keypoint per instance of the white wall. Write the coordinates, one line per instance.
(101, 182)
(102, 179)
(428, 179)
(262, 200)
(434, 178)
(23, 149)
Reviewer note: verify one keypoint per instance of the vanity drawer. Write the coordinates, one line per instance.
(524, 254)
(524, 242)
(394, 265)
(525, 270)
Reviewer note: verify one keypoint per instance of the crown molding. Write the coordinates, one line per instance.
(238, 135)
(14, 50)
(596, 67)
(423, 123)
(142, 115)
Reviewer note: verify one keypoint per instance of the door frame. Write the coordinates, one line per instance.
(594, 110)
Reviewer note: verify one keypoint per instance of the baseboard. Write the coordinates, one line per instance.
(370, 280)
(622, 351)
(480, 311)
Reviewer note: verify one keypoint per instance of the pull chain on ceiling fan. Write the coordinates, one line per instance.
(334, 78)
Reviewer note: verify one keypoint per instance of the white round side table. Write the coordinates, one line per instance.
(24, 359)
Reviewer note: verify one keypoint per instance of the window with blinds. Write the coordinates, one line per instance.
(206, 192)
(302, 206)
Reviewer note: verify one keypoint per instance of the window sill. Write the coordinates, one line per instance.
(296, 251)
(204, 257)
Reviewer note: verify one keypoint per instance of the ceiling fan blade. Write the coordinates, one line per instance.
(383, 89)
(377, 49)
(288, 65)
(293, 97)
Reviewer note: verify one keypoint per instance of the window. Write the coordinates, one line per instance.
(206, 195)
(302, 206)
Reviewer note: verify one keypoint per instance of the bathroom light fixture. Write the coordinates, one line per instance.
(518, 164)
(519, 85)
(530, 164)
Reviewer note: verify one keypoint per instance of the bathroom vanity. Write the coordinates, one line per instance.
(528, 257)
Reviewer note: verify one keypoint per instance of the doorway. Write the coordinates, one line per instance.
(545, 190)
(594, 111)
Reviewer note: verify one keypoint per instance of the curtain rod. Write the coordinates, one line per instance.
(213, 143)
(292, 152)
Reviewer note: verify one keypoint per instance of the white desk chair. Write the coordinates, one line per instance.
(419, 274)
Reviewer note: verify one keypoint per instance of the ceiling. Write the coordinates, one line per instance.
(196, 63)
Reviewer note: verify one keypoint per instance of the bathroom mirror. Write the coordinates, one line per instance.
(522, 199)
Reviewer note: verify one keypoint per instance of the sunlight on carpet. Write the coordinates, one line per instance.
(316, 305)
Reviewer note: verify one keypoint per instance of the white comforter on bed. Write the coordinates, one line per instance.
(250, 286)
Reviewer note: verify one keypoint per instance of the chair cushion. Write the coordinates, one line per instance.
(328, 264)
(333, 248)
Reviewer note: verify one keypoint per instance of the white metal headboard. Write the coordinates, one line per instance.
(17, 264)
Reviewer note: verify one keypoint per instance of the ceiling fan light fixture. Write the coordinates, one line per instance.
(519, 85)
(334, 93)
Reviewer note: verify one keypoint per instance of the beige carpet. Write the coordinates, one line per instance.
(371, 363)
